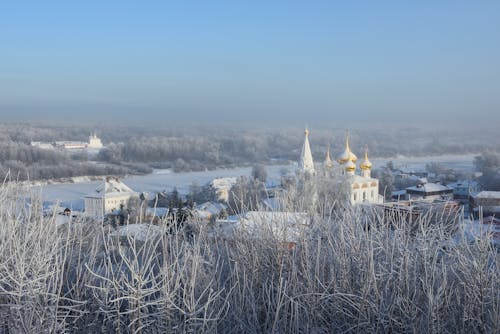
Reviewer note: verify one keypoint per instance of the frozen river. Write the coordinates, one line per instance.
(71, 194)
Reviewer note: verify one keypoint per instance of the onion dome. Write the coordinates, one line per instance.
(347, 155)
(350, 166)
(328, 160)
(366, 164)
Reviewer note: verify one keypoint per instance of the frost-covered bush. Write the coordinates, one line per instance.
(339, 277)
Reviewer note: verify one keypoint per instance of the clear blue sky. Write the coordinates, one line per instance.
(307, 61)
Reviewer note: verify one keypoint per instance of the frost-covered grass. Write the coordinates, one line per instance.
(339, 277)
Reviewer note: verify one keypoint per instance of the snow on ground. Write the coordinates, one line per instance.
(71, 194)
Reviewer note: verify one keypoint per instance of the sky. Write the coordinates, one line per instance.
(251, 62)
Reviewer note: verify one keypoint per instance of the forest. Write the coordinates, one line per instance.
(136, 150)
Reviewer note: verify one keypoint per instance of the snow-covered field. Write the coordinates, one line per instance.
(71, 194)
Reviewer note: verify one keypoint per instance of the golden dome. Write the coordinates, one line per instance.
(353, 157)
(366, 164)
(350, 166)
(347, 155)
(343, 157)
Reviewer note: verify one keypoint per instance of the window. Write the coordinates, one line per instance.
(355, 197)
(364, 195)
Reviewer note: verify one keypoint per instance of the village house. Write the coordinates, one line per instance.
(486, 203)
(110, 195)
(429, 191)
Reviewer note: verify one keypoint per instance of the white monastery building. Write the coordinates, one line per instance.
(363, 188)
(95, 142)
(111, 195)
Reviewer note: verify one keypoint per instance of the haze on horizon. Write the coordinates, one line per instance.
(277, 62)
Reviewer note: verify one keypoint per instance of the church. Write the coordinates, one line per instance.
(363, 188)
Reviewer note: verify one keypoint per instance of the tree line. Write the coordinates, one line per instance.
(138, 149)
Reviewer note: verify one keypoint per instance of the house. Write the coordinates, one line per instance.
(221, 187)
(486, 203)
(209, 210)
(110, 195)
(464, 190)
(429, 191)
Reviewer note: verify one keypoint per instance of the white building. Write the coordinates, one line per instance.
(429, 191)
(209, 210)
(95, 142)
(221, 186)
(43, 145)
(363, 188)
(70, 145)
(110, 195)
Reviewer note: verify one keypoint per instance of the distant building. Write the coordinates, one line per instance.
(110, 195)
(429, 191)
(221, 187)
(95, 142)
(70, 145)
(209, 210)
(464, 190)
(43, 145)
(486, 203)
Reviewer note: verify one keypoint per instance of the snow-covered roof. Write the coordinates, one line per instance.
(208, 209)
(488, 194)
(213, 207)
(429, 188)
(140, 232)
(111, 187)
(223, 182)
